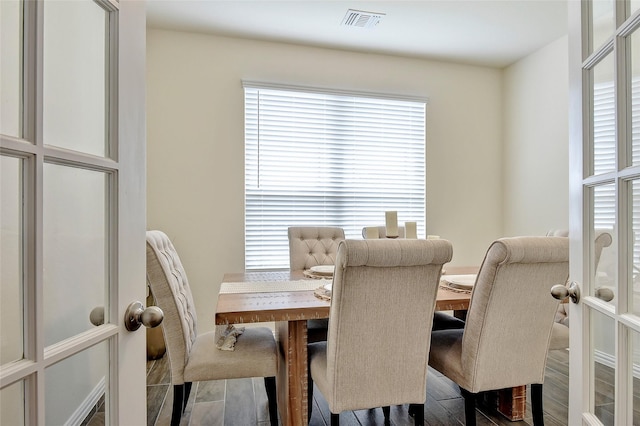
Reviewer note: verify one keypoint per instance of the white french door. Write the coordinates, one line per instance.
(72, 210)
(604, 56)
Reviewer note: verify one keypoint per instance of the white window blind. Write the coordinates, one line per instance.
(604, 160)
(327, 159)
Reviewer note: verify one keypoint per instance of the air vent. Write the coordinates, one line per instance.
(360, 19)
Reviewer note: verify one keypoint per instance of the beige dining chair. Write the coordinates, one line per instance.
(313, 246)
(560, 337)
(382, 303)
(195, 357)
(509, 323)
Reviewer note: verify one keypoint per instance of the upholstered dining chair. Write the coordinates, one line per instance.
(560, 336)
(195, 357)
(382, 304)
(506, 336)
(311, 246)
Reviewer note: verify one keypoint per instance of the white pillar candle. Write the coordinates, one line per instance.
(410, 230)
(371, 233)
(392, 224)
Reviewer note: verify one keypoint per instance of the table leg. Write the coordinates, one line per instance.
(512, 402)
(292, 375)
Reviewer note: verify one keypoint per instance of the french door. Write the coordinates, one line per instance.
(604, 52)
(72, 210)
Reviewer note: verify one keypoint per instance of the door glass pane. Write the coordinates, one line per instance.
(603, 366)
(634, 252)
(635, 369)
(12, 405)
(11, 277)
(602, 22)
(84, 379)
(603, 248)
(11, 67)
(75, 249)
(604, 122)
(634, 5)
(75, 77)
(634, 98)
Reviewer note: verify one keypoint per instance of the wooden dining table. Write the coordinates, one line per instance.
(290, 302)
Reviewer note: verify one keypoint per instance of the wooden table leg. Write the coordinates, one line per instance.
(512, 402)
(292, 375)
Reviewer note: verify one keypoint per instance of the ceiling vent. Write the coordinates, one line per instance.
(360, 19)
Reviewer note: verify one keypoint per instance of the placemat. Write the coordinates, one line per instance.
(444, 286)
(271, 286)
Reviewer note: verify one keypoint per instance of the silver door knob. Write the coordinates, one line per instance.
(136, 315)
(561, 292)
(97, 315)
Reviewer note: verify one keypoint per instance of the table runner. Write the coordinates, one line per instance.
(271, 286)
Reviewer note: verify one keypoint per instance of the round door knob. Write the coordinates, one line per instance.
(604, 293)
(136, 315)
(97, 315)
(561, 292)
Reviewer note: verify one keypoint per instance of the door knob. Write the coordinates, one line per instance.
(97, 315)
(561, 292)
(136, 315)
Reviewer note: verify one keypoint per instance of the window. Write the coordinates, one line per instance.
(320, 158)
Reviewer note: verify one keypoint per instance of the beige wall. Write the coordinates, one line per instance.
(536, 142)
(196, 149)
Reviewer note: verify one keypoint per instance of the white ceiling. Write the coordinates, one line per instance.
(481, 32)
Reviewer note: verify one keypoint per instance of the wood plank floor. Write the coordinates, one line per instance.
(243, 402)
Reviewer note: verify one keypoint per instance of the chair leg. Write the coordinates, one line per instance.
(386, 411)
(309, 396)
(536, 404)
(335, 419)
(187, 391)
(178, 398)
(272, 397)
(417, 412)
(469, 407)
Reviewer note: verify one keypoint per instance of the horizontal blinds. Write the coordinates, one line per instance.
(325, 159)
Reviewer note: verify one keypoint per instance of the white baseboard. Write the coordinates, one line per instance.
(86, 408)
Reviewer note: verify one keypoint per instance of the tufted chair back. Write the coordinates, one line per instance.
(170, 287)
(313, 245)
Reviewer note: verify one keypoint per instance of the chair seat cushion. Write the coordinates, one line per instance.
(317, 353)
(255, 355)
(443, 321)
(317, 330)
(445, 354)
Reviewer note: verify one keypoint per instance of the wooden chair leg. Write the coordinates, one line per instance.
(469, 407)
(417, 412)
(272, 397)
(187, 392)
(178, 398)
(386, 411)
(309, 396)
(536, 404)
(335, 419)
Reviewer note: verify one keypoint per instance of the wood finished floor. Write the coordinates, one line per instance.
(243, 402)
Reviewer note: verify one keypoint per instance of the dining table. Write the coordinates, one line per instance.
(289, 299)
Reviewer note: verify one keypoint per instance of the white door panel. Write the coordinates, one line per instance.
(605, 197)
(72, 211)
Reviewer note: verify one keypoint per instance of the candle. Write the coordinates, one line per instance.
(410, 230)
(371, 232)
(392, 224)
